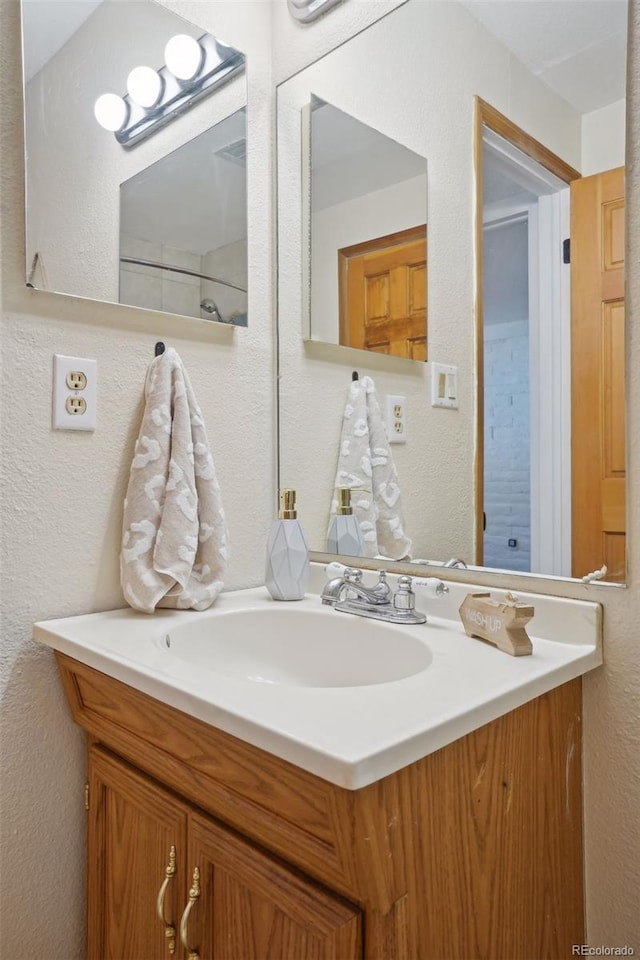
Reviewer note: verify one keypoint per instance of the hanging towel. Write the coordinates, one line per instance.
(174, 537)
(365, 464)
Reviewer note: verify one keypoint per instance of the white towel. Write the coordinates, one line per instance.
(365, 463)
(174, 537)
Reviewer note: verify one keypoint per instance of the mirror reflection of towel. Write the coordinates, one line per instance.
(366, 466)
(174, 539)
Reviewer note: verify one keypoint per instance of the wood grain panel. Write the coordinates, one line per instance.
(255, 908)
(498, 849)
(613, 547)
(613, 506)
(417, 348)
(613, 389)
(285, 808)
(377, 299)
(132, 825)
(613, 234)
(597, 369)
(417, 289)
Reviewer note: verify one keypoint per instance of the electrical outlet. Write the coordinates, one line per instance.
(396, 419)
(76, 380)
(74, 393)
(76, 405)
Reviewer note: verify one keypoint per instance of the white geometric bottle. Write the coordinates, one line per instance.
(345, 535)
(287, 573)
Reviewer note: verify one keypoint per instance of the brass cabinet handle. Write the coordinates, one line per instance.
(169, 928)
(194, 894)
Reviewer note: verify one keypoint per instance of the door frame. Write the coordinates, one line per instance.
(493, 128)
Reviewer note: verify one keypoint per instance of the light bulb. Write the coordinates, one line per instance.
(144, 86)
(183, 56)
(110, 111)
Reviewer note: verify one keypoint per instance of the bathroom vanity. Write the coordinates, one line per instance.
(469, 850)
(474, 851)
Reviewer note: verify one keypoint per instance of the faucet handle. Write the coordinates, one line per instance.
(432, 586)
(353, 575)
(404, 598)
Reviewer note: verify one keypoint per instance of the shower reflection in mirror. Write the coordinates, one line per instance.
(183, 229)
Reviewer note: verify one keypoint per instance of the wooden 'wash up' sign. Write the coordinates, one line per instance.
(501, 622)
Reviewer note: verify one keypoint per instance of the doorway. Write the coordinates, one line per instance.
(523, 461)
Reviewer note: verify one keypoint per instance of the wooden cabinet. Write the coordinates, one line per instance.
(150, 854)
(132, 827)
(472, 853)
(254, 907)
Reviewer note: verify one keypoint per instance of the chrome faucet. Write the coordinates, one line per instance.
(347, 594)
(455, 562)
(350, 582)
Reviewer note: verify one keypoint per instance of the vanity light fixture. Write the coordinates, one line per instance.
(194, 69)
(308, 10)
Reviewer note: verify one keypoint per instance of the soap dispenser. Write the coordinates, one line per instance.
(287, 553)
(345, 535)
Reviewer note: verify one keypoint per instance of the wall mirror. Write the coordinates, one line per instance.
(152, 211)
(520, 110)
(368, 237)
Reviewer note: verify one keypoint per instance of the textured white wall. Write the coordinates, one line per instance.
(603, 138)
(42, 816)
(426, 103)
(62, 492)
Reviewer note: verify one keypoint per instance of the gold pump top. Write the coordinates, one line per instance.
(288, 505)
(344, 508)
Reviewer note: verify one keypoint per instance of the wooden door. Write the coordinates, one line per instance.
(252, 907)
(383, 294)
(597, 374)
(133, 824)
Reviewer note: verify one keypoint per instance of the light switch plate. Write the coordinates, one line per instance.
(444, 385)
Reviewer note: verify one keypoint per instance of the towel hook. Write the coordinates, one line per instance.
(159, 348)
(355, 375)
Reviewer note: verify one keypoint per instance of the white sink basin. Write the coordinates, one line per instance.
(346, 698)
(299, 648)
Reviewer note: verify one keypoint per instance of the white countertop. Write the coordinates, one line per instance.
(352, 735)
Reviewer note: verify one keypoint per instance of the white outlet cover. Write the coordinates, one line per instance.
(396, 419)
(62, 419)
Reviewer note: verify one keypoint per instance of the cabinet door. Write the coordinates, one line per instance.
(252, 907)
(133, 824)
